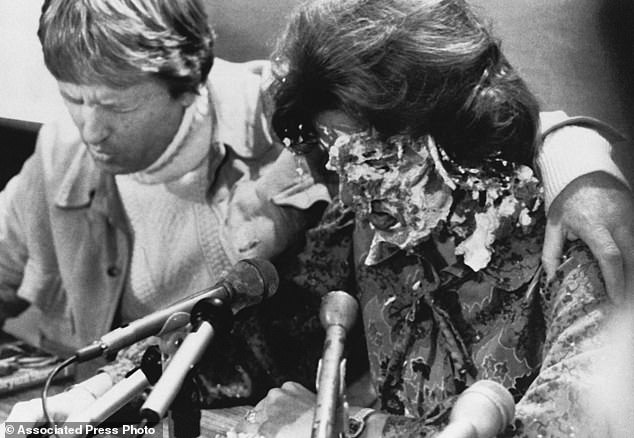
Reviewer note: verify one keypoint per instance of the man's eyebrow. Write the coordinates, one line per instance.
(105, 102)
(121, 99)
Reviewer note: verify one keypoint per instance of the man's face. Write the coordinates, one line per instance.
(124, 129)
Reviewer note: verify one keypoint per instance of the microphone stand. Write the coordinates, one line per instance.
(185, 412)
(123, 392)
(175, 390)
(249, 282)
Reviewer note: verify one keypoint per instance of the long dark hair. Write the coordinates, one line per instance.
(412, 67)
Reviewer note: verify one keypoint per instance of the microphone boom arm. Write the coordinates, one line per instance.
(249, 282)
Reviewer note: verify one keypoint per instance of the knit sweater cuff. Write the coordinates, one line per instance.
(571, 152)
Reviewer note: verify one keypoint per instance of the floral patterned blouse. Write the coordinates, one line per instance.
(433, 327)
(468, 301)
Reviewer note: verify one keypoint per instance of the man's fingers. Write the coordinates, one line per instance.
(299, 391)
(608, 255)
(29, 413)
(26, 414)
(624, 237)
(250, 423)
(554, 239)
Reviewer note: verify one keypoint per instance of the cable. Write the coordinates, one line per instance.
(49, 380)
(142, 426)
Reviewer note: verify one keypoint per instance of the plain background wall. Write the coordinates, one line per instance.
(577, 55)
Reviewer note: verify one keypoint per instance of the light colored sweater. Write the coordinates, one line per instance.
(572, 151)
(175, 234)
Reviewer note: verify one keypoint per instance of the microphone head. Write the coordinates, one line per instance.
(338, 308)
(250, 281)
(487, 405)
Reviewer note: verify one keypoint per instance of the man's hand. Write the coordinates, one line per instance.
(285, 412)
(598, 209)
(30, 414)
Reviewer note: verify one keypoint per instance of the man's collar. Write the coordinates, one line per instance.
(80, 182)
(84, 185)
(239, 122)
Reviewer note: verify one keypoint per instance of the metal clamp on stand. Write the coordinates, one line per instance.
(175, 389)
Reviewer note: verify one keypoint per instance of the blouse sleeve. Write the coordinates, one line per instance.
(269, 208)
(575, 307)
(269, 212)
(561, 401)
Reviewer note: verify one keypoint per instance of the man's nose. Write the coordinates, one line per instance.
(94, 129)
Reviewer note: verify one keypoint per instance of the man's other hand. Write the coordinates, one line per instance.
(598, 209)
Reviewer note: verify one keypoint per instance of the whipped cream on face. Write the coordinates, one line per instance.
(396, 178)
(405, 188)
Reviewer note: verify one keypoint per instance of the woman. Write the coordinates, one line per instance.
(439, 224)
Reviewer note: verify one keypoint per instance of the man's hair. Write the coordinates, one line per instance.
(412, 67)
(119, 42)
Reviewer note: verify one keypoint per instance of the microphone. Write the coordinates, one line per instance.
(209, 316)
(247, 283)
(483, 410)
(337, 314)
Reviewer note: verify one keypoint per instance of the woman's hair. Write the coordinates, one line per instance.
(119, 42)
(411, 67)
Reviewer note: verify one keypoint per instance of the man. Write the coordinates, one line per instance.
(163, 177)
